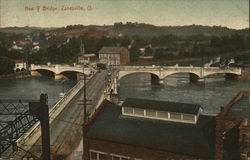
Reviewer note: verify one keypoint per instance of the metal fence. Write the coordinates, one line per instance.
(15, 120)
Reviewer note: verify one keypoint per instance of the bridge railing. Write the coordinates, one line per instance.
(34, 133)
(58, 68)
(42, 66)
(157, 67)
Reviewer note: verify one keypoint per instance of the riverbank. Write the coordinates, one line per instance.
(245, 74)
(188, 61)
(22, 74)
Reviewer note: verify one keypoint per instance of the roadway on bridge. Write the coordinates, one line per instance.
(66, 130)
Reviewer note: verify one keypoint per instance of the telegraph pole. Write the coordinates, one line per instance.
(84, 140)
(41, 110)
(84, 100)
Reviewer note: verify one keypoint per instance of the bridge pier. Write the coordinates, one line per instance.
(161, 81)
(194, 78)
(60, 77)
(35, 73)
(115, 91)
(79, 76)
(230, 76)
(156, 80)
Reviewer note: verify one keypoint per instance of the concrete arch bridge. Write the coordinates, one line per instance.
(59, 71)
(158, 73)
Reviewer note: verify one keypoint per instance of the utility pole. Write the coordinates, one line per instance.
(41, 110)
(84, 139)
(84, 100)
(85, 155)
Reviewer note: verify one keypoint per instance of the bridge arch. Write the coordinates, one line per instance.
(125, 73)
(71, 70)
(68, 74)
(155, 79)
(193, 76)
(43, 72)
(172, 73)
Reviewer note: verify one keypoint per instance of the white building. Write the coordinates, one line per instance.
(20, 65)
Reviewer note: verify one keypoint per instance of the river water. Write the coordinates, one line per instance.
(30, 88)
(213, 93)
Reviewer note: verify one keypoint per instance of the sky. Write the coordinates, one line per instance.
(229, 13)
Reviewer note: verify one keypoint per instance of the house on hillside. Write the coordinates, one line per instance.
(114, 55)
(87, 59)
(20, 65)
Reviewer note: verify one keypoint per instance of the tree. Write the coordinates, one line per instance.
(7, 66)
(125, 41)
(159, 53)
(148, 50)
(134, 53)
(42, 36)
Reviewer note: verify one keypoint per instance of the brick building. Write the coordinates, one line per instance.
(233, 128)
(114, 55)
(149, 130)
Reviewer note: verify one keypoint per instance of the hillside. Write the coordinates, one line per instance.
(24, 30)
(147, 30)
(140, 29)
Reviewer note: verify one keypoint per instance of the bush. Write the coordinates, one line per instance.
(6, 66)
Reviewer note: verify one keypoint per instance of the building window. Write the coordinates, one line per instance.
(96, 155)
(115, 158)
(139, 112)
(119, 157)
(176, 116)
(128, 110)
(93, 155)
(150, 113)
(163, 115)
(102, 156)
(188, 117)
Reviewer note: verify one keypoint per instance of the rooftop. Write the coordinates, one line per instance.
(111, 50)
(18, 61)
(190, 139)
(240, 109)
(162, 105)
(89, 55)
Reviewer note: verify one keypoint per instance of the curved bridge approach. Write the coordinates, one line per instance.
(59, 71)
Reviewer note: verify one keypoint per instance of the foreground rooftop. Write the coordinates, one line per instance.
(184, 138)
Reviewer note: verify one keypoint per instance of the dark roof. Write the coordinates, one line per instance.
(189, 139)
(111, 50)
(18, 61)
(162, 105)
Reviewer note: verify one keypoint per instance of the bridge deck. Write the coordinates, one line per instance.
(66, 127)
